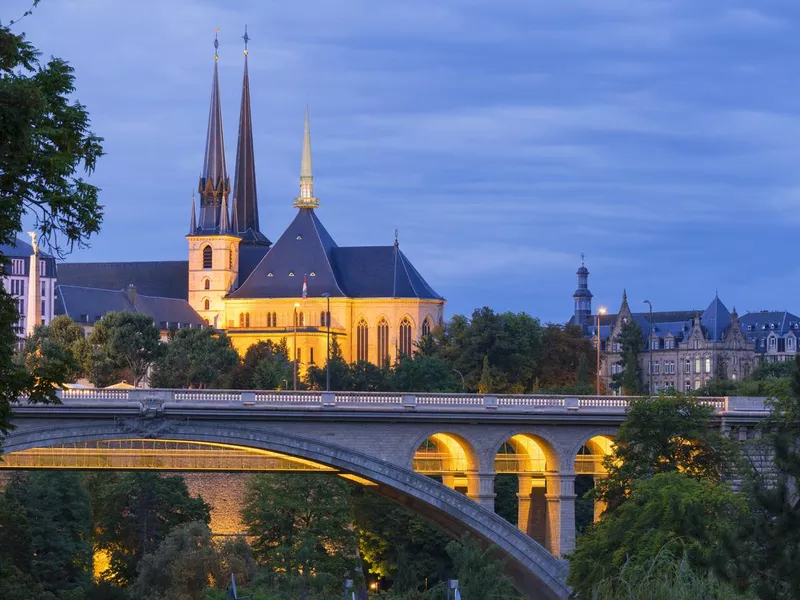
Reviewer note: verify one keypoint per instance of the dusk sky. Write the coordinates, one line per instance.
(501, 138)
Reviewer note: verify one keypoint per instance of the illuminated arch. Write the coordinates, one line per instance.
(444, 454)
(405, 336)
(383, 341)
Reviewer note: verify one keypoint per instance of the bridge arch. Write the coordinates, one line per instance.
(536, 573)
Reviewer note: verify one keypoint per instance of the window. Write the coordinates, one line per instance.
(655, 344)
(42, 267)
(207, 284)
(655, 388)
(247, 319)
(299, 319)
(708, 365)
(773, 342)
(616, 347)
(426, 327)
(698, 365)
(206, 304)
(405, 337)
(230, 258)
(241, 319)
(697, 384)
(272, 319)
(44, 288)
(669, 343)
(299, 354)
(656, 368)
(311, 356)
(383, 341)
(687, 366)
(696, 344)
(206, 321)
(790, 344)
(17, 266)
(208, 258)
(362, 341)
(616, 368)
(325, 319)
(44, 311)
(687, 386)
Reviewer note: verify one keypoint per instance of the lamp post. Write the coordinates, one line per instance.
(296, 306)
(600, 311)
(463, 385)
(650, 345)
(328, 352)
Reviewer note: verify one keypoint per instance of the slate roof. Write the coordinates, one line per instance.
(757, 325)
(306, 248)
(87, 305)
(249, 257)
(166, 279)
(716, 319)
(675, 322)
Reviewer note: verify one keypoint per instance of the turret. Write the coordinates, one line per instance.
(582, 295)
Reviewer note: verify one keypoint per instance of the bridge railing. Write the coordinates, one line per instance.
(526, 403)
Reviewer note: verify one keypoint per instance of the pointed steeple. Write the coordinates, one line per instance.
(214, 183)
(224, 225)
(193, 219)
(244, 214)
(582, 295)
(306, 198)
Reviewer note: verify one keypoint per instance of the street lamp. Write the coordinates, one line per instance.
(296, 306)
(650, 345)
(600, 311)
(328, 352)
(463, 385)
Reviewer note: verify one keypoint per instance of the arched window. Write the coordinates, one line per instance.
(270, 321)
(230, 258)
(426, 326)
(241, 319)
(274, 319)
(208, 259)
(383, 342)
(325, 319)
(362, 341)
(299, 319)
(206, 304)
(247, 319)
(207, 323)
(405, 337)
(207, 284)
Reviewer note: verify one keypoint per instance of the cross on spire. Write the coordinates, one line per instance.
(246, 39)
(216, 44)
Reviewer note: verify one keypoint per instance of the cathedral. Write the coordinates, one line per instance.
(302, 288)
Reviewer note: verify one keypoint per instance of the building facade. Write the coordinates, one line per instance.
(681, 350)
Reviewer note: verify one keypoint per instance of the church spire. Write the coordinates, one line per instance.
(193, 219)
(306, 198)
(214, 183)
(244, 214)
(582, 295)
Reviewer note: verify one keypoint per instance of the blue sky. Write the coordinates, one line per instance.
(501, 138)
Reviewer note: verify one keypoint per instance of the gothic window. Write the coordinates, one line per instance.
(405, 337)
(383, 342)
(708, 365)
(426, 327)
(206, 304)
(230, 259)
(207, 284)
(208, 259)
(362, 341)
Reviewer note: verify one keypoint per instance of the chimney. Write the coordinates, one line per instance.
(130, 291)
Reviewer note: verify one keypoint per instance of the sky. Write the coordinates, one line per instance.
(501, 138)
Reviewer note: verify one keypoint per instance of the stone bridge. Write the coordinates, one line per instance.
(403, 445)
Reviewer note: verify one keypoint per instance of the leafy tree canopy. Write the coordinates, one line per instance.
(124, 345)
(195, 358)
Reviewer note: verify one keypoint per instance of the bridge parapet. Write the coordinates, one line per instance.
(528, 403)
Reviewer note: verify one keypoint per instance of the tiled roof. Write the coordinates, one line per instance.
(166, 279)
(761, 324)
(716, 319)
(306, 248)
(87, 305)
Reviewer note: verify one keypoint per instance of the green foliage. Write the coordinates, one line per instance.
(265, 365)
(670, 510)
(57, 532)
(398, 545)
(665, 577)
(478, 571)
(180, 567)
(564, 356)
(485, 384)
(124, 345)
(195, 358)
(422, 374)
(316, 376)
(56, 353)
(771, 380)
(631, 344)
(506, 502)
(134, 512)
(301, 524)
(366, 377)
(663, 435)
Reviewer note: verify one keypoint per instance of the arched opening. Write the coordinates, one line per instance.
(241, 320)
(208, 257)
(405, 337)
(362, 341)
(206, 284)
(521, 464)
(447, 458)
(535, 572)
(589, 469)
(383, 342)
(299, 319)
(426, 327)
(206, 304)
(247, 319)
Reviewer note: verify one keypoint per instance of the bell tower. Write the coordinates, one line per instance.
(213, 245)
(582, 295)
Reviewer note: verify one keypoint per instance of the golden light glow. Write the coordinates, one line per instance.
(527, 457)
(162, 455)
(357, 479)
(442, 453)
(101, 561)
(602, 310)
(598, 448)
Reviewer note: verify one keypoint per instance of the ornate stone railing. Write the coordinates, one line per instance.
(395, 401)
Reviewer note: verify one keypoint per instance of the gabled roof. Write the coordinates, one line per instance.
(304, 249)
(87, 305)
(166, 279)
(380, 272)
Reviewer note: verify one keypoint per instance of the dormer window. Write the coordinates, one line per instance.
(291, 273)
(312, 274)
(299, 237)
(269, 274)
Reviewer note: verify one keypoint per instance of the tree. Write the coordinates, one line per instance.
(301, 524)
(134, 512)
(367, 377)
(670, 512)
(422, 374)
(277, 354)
(195, 358)
(663, 435)
(180, 567)
(562, 349)
(58, 515)
(316, 377)
(45, 142)
(765, 551)
(57, 352)
(631, 342)
(479, 573)
(486, 377)
(123, 343)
